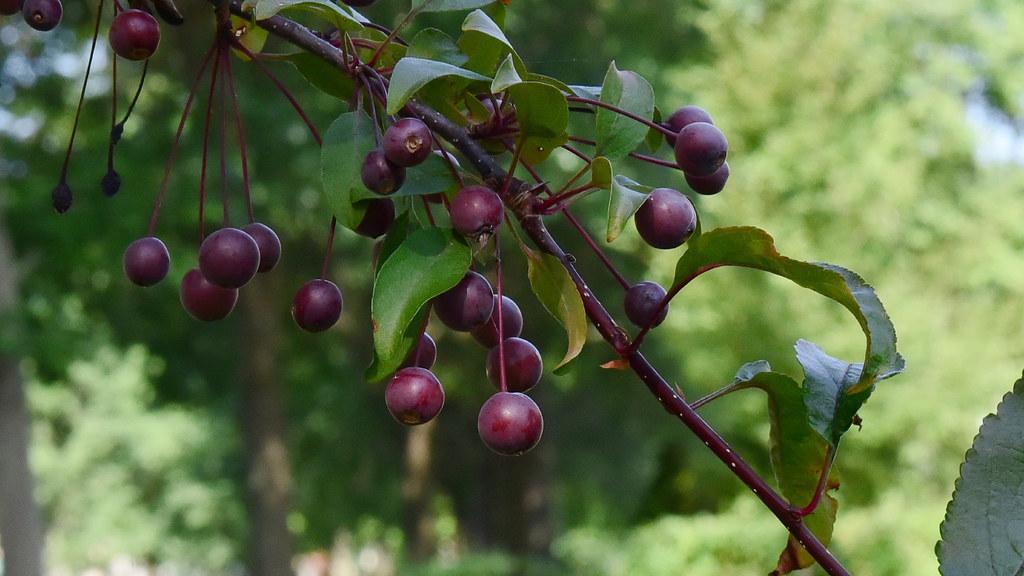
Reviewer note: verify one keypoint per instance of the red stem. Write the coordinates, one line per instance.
(501, 321)
(206, 145)
(81, 96)
(282, 89)
(830, 458)
(243, 148)
(635, 155)
(223, 111)
(620, 111)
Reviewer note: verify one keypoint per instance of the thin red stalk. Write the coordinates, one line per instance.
(501, 321)
(516, 154)
(426, 208)
(448, 160)
(206, 145)
(243, 148)
(81, 96)
(113, 111)
(223, 111)
(596, 249)
(668, 298)
(545, 206)
(394, 33)
(177, 140)
(385, 30)
(621, 112)
(329, 248)
(282, 89)
(635, 155)
(705, 400)
(577, 153)
(819, 491)
(574, 179)
(135, 97)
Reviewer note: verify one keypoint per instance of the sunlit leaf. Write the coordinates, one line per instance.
(543, 115)
(557, 292)
(341, 16)
(626, 198)
(412, 74)
(434, 44)
(486, 45)
(506, 76)
(617, 135)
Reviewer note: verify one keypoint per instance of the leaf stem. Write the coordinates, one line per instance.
(819, 491)
(621, 112)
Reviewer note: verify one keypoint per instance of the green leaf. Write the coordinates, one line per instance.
(617, 135)
(249, 35)
(983, 532)
(830, 404)
(486, 45)
(449, 5)
(322, 75)
(341, 16)
(428, 263)
(797, 456)
(557, 292)
(754, 248)
(655, 139)
(433, 44)
(412, 74)
(591, 92)
(543, 115)
(601, 173)
(562, 86)
(346, 144)
(397, 233)
(506, 76)
(626, 198)
(430, 177)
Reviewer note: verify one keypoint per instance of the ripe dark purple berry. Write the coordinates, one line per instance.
(9, 7)
(134, 35)
(510, 423)
(205, 301)
(414, 396)
(61, 198)
(643, 304)
(423, 355)
(146, 261)
(380, 175)
(407, 142)
(476, 211)
(317, 305)
(229, 258)
(511, 318)
(684, 117)
(523, 365)
(380, 213)
(268, 243)
(43, 15)
(701, 149)
(666, 219)
(467, 305)
(111, 183)
(708, 185)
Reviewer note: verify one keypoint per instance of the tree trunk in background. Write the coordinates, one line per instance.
(21, 535)
(269, 478)
(418, 490)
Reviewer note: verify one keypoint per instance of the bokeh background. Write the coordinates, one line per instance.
(882, 136)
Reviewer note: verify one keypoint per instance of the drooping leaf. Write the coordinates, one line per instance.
(754, 248)
(601, 173)
(434, 44)
(412, 74)
(428, 263)
(617, 135)
(555, 289)
(543, 115)
(323, 75)
(831, 407)
(506, 76)
(346, 144)
(449, 5)
(626, 198)
(343, 17)
(983, 531)
(798, 454)
(430, 177)
(486, 45)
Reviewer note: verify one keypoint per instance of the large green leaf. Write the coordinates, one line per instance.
(543, 115)
(341, 16)
(428, 263)
(346, 144)
(486, 45)
(754, 248)
(506, 76)
(626, 198)
(323, 75)
(557, 292)
(617, 135)
(797, 456)
(983, 532)
(449, 5)
(430, 177)
(434, 44)
(412, 74)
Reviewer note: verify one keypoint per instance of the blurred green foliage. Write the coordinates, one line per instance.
(880, 136)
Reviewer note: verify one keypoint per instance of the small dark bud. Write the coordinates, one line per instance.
(61, 197)
(111, 183)
(116, 132)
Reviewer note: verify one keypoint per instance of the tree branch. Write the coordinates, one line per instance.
(524, 205)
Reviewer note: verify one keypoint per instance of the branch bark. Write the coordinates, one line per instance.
(525, 206)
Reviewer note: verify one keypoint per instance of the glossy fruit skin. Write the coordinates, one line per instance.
(476, 211)
(10, 7)
(643, 301)
(380, 214)
(683, 117)
(700, 149)
(407, 142)
(511, 319)
(317, 305)
(666, 219)
(205, 301)
(268, 243)
(414, 396)
(467, 305)
(380, 175)
(708, 185)
(523, 365)
(229, 258)
(42, 15)
(146, 261)
(423, 355)
(510, 423)
(134, 35)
